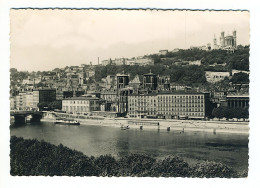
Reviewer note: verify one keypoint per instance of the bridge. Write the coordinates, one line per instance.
(22, 117)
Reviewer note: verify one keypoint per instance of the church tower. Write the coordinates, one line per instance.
(235, 38)
(222, 40)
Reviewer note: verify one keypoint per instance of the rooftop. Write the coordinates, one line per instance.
(171, 93)
(238, 96)
(82, 98)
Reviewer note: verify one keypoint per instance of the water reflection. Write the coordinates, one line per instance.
(231, 149)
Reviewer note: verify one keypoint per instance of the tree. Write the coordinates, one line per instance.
(244, 113)
(217, 113)
(40, 84)
(55, 105)
(229, 113)
(240, 78)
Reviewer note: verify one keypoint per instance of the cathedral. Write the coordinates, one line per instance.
(228, 42)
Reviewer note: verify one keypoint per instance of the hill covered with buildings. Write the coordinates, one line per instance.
(175, 81)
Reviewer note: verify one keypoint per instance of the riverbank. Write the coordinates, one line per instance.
(34, 158)
(236, 127)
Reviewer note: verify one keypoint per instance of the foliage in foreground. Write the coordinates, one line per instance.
(32, 157)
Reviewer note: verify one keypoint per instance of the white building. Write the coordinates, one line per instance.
(119, 61)
(144, 61)
(163, 52)
(12, 103)
(213, 77)
(140, 61)
(130, 61)
(198, 62)
(28, 101)
(105, 62)
(22, 101)
(28, 81)
(83, 104)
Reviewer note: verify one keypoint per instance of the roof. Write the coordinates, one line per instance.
(170, 93)
(238, 96)
(149, 94)
(122, 74)
(82, 98)
(136, 80)
(149, 74)
(47, 89)
(180, 92)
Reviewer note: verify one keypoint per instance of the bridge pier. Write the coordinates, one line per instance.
(21, 117)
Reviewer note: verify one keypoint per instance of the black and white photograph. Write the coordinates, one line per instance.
(142, 93)
(139, 95)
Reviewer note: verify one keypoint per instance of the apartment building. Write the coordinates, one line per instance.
(142, 105)
(180, 105)
(43, 95)
(170, 105)
(83, 104)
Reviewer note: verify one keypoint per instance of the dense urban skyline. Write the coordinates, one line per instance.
(46, 39)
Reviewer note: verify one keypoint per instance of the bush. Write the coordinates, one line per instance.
(32, 157)
(211, 170)
(135, 165)
(170, 167)
(107, 165)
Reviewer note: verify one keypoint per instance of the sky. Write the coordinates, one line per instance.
(54, 38)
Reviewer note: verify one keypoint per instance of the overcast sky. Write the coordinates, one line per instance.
(46, 39)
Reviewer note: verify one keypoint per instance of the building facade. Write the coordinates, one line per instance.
(170, 105)
(142, 105)
(12, 103)
(150, 81)
(213, 77)
(228, 42)
(43, 95)
(123, 99)
(238, 101)
(81, 105)
(22, 101)
(122, 81)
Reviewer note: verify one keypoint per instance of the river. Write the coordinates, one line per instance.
(230, 149)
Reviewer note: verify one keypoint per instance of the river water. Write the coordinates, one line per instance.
(230, 149)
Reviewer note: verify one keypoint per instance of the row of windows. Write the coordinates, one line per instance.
(142, 100)
(75, 108)
(75, 102)
(80, 108)
(169, 97)
(181, 97)
(132, 104)
(184, 113)
(182, 109)
(180, 105)
(149, 109)
(178, 113)
(169, 109)
(183, 101)
(149, 113)
(170, 100)
(166, 105)
(162, 101)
